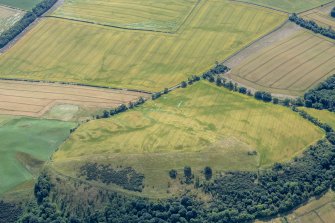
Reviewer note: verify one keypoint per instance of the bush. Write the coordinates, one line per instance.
(208, 173)
(187, 172)
(173, 174)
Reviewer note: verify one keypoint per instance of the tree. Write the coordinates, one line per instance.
(183, 84)
(208, 173)
(166, 90)
(187, 172)
(275, 100)
(173, 174)
(242, 90)
(332, 13)
(106, 114)
(287, 102)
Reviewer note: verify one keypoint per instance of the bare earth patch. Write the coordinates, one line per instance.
(35, 99)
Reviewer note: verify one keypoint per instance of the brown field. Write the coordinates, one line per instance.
(321, 15)
(35, 99)
(290, 66)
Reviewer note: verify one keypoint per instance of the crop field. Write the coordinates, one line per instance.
(290, 66)
(197, 126)
(165, 15)
(25, 145)
(321, 16)
(289, 5)
(20, 4)
(8, 17)
(63, 50)
(35, 99)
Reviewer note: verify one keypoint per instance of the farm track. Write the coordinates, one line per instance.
(34, 99)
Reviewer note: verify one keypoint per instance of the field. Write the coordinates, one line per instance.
(198, 126)
(62, 50)
(290, 66)
(165, 15)
(323, 115)
(35, 99)
(320, 210)
(25, 145)
(20, 4)
(321, 16)
(8, 17)
(289, 5)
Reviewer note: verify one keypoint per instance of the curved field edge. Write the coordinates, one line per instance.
(198, 126)
(92, 54)
(26, 143)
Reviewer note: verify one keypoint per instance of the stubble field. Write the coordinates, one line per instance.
(290, 66)
(321, 16)
(35, 99)
(8, 17)
(62, 50)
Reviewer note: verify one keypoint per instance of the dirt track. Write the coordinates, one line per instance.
(35, 99)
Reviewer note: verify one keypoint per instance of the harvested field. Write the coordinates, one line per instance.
(35, 99)
(163, 15)
(321, 16)
(62, 50)
(8, 17)
(290, 66)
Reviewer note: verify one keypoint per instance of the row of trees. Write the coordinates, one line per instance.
(323, 96)
(311, 25)
(25, 21)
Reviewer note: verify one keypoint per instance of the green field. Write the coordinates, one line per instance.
(25, 144)
(61, 50)
(289, 5)
(163, 15)
(323, 115)
(21, 4)
(198, 126)
(8, 17)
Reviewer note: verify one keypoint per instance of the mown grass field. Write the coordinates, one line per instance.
(8, 17)
(289, 5)
(21, 4)
(25, 145)
(290, 66)
(323, 115)
(164, 15)
(61, 50)
(321, 16)
(198, 126)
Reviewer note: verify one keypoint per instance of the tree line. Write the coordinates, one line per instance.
(25, 21)
(311, 25)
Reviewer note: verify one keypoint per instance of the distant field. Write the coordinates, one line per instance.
(163, 15)
(8, 17)
(321, 16)
(289, 5)
(25, 145)
(198, 126)
(323, 115)
(61, 50)
(35, 99)
(21, 4)
(290, 66)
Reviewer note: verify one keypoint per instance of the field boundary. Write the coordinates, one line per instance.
(74, 84)
(129, 28)
(256, 40)
(263, 6)
(12, 7)
(326, 4)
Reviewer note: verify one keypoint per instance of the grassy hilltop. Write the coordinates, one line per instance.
(198, 126)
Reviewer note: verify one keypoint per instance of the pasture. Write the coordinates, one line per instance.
(36, 99)
(197, 126)
(321, 16)
(8, 17)
(164, 15)
(20, 4)
(62, 50)
(289, 6)
(290, 66)
(25, 145)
